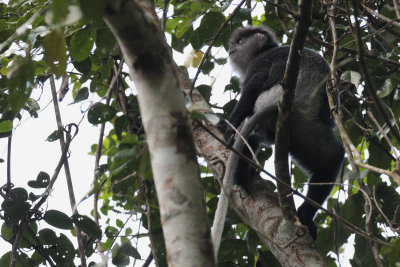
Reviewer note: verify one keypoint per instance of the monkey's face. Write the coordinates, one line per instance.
(246, 44)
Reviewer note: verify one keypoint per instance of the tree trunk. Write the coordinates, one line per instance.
(165, 119)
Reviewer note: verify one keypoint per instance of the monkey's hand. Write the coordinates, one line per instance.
(307, 220)
(229, 133)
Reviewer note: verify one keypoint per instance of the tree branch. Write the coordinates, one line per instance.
(285, 104)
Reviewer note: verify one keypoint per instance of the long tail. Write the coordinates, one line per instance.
(222, 208)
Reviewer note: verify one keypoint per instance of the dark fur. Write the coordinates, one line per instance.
(255, 55)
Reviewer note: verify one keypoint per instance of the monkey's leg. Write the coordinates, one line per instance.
(245, 171)
(321, 155)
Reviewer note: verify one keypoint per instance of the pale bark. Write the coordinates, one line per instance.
(173, 160)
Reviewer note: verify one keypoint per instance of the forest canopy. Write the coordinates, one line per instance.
(119, 60)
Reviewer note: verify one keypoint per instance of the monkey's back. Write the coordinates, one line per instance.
(310, 93)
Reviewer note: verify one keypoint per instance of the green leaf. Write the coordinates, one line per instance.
(101, 113)
(179, 44)
(352, 76)
(209, 26)
(58, 219)
(363, 255)
(105, 70)
(182, 27)
(20, 72)
(121, 123)
(65, 251)
(47, 236)
(205, 91)
(21, 259)
(378, 157)
(82, 94)
(81, 44)
(17, 194)
(83, 66)
(54, 136)
(121, 254)
(129, 250)
(32, 197)
(386, 89)
(42, 181)
(27, 239)
(37, 258)
(228, 107)
(89, 246)
(388, 199)
(32, 106)
(105, 40)
(55, 52)
(17, 100)
(299, 177)
(6, 126)
(7, 232)
(233, 86)
(352, 211)
(93, 10)
(5, 260)
(15, 207)
(392, 252)
(87, 225)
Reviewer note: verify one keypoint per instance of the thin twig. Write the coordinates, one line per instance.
(279, 16)
(364, 71)
(380, 210)
(380, 16)
(339, 119)
(9, 160)
(39, 247)
(98, 156)
(120, 230)
(15, 244)
(287, 10)
(396, 8)
(79, 237)
(57, 170)
(150, 222)
(368, 54)
(392, 147)
(164, 16)
(249, 20)
(214, 39)
(148, 260)
(244, 141)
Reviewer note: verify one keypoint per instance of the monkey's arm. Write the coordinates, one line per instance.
(245, 106)
(252, 88)
(220, 214)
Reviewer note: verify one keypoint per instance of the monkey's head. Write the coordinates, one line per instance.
(247, 43)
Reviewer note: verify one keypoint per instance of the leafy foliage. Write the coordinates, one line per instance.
(40, 39)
